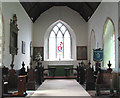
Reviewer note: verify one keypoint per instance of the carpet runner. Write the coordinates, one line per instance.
(61, 87)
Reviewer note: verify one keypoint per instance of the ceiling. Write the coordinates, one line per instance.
(35, 9)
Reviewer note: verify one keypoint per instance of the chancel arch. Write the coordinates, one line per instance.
(92, 45)
(68, 33)
(109, 43)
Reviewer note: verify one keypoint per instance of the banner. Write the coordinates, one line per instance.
(98, 55)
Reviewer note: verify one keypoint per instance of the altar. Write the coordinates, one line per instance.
(60, 70)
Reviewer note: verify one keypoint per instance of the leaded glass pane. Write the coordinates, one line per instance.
(59, 34)
(59, 43)
(52, 48)
(67, 34)
(67, 46)
(59, 24)
(52, 34)
(63, 28)
(55, 29)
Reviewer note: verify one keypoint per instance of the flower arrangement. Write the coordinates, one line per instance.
(38, 57)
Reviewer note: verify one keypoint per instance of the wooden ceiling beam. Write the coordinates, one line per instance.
(32, 7)
(89, 6)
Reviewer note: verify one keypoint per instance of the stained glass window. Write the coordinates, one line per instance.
(59, 42)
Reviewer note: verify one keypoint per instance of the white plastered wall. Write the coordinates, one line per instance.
(92, 45)
(119, 31)
(70, 18)
(24, 33)
(105, 9)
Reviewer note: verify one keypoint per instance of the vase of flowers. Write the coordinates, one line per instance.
(38, 58)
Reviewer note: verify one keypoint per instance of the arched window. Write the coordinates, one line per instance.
(92, 45)
(59, 43)
(109, 43)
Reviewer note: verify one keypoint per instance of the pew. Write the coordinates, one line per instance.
(36, 74)
(104, 80)
(82, 73)
(39, 74)
(31, 81)
(78, 73)
(22, 85)
(42, 73)
(90, 80)
(12, 79)
(4, 80)
(21, 80)
(22, 70)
